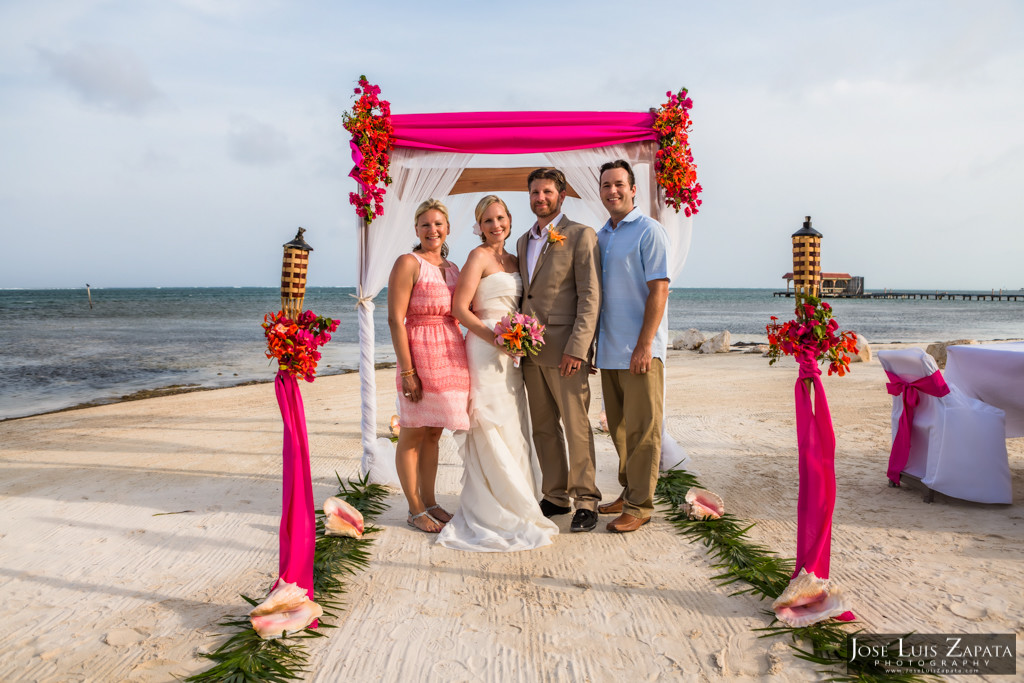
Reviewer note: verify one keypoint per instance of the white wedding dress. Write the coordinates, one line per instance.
(498, 509)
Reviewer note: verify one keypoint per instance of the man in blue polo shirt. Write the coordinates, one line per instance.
(632, 342)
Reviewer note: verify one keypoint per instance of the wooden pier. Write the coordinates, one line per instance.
(951, 296)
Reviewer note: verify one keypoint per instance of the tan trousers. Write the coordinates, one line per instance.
(634, 406)
(556, 401)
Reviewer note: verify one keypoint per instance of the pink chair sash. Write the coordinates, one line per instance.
(933, 385)
(816, 445)
(297, 536)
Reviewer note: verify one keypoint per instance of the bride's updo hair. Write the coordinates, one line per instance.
(483, 205)
(422, 209)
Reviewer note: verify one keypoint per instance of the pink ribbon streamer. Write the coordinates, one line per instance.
(357, 159)
(816, 445)
(298, 520)
(933, 385)
(520, 132)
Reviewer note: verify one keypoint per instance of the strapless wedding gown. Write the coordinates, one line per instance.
(498, 510)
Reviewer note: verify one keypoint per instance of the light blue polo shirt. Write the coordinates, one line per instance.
(633, 253)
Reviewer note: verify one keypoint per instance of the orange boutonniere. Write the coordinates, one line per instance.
(555, 237)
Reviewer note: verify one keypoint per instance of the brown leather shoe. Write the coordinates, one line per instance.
(612, 508)
(625, 522)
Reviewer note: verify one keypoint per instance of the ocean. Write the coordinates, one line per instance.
(57, 352)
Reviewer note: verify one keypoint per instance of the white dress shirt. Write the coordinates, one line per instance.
(535, 245)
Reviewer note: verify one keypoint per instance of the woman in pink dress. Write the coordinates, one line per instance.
(432, 373)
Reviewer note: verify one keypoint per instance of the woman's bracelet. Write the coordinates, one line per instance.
(408, 373)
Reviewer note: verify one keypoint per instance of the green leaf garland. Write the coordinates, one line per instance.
(247, 657)
(766, 575)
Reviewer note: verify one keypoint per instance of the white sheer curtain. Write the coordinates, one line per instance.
(581, 170)
(417, 175)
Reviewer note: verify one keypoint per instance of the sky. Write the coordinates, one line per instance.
(181, 142)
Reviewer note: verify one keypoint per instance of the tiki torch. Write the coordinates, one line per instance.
(807, 260)
(293, 275)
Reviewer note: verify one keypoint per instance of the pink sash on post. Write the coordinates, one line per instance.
(933, 385)
(816, 445)
(298, 519)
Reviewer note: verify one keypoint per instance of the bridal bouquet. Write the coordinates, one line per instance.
(294, 343)
(519, 334)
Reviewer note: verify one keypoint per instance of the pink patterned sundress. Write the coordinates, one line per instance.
(438, 353)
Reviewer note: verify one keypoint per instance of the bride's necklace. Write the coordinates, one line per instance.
(501, 258)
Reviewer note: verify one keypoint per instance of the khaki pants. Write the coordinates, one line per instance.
(634, 406)
(556, 401)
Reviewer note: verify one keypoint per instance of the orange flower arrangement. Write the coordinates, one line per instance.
(814, 332)
(294, 343)
(369, 122)
(673, 162)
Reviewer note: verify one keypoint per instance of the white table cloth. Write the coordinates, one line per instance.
(993, 373)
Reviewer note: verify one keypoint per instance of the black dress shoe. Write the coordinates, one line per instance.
(550, 509)
(583, 520)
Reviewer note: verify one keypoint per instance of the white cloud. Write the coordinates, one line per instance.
(256, 143)
(108, 77)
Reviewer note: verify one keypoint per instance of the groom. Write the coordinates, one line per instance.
(560, 266)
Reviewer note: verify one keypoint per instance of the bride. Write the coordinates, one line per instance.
(498, 509)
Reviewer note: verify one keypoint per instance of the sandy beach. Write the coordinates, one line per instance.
(100, 583)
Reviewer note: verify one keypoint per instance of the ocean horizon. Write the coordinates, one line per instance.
(59, 353)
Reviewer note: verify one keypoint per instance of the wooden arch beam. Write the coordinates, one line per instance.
(498, 180)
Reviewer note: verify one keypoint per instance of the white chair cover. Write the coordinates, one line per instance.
(957, 443)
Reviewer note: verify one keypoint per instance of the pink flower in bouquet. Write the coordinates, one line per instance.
(519, 334)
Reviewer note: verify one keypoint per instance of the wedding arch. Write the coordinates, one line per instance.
(453, 155)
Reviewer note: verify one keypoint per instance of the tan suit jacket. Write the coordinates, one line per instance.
(565, 292)
(565, 295)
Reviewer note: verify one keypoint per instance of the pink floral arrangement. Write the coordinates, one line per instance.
(815, 333)
(673, 163)
(294, 343)
(519, 334)
(369, 122)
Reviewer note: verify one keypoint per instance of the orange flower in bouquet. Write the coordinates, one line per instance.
(519, 334)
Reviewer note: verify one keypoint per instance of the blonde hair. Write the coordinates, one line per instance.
(436, 205)
(483, 205)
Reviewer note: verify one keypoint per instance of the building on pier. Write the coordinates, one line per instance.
(834, 284)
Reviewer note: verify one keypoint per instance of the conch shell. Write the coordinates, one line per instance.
(287, 608)
(341, 519)
(808, 600)
(394, 426)
(703, 504)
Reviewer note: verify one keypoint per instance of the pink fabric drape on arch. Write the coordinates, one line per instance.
(520, 132)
